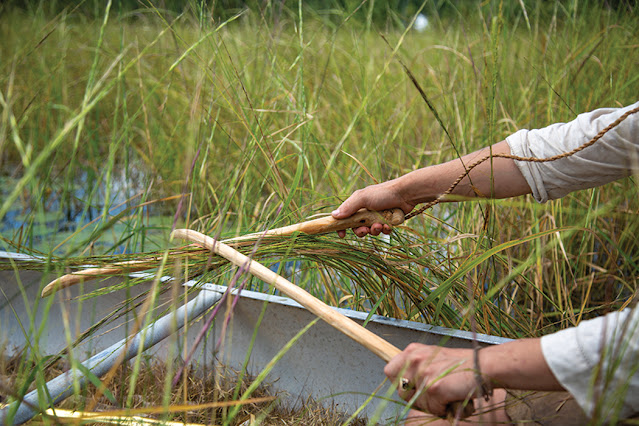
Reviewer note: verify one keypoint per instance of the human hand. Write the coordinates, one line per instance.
(441, 376)
(378, 197)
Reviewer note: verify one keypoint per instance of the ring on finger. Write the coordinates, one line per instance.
(405, 384)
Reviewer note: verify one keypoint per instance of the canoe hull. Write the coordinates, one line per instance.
(323, 364)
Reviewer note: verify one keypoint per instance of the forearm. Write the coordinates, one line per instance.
(494, 178)
(519, 364)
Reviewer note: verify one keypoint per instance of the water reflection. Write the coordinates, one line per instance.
(47, 213)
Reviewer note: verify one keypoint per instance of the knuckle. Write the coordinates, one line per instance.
(412, 347)
(433, 389)
(389, 371)
(415, 347)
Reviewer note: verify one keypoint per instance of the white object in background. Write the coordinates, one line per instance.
(421, 22)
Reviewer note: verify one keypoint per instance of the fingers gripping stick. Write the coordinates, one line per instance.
(363, 217)
(328, 224)
(361, 335)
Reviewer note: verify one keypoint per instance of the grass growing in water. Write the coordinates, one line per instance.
(256, 122)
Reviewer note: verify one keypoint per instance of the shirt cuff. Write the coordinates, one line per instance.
(518, 143)
(569, 363)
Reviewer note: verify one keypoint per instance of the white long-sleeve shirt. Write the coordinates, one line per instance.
(614, 156)
(597, 361)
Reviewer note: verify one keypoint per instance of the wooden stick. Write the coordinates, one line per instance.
(91, 273)
(322, 225)
(328, 224)
(371, 341)
(350, 328)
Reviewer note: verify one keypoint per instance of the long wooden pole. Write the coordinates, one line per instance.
(371, 341)
(361, 335)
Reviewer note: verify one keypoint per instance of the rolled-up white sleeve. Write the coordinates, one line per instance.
(614, 156)
(598, 363)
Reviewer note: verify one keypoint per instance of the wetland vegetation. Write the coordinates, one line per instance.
(119, 122)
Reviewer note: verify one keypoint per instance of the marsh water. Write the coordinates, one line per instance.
(80, 210)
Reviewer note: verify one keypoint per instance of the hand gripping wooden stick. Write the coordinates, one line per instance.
(361, 335)
(328, 224)
(322, 225)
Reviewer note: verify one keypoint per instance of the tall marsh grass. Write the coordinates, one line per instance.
(232, 126)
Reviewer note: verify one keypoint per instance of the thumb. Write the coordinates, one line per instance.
(346, 209)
